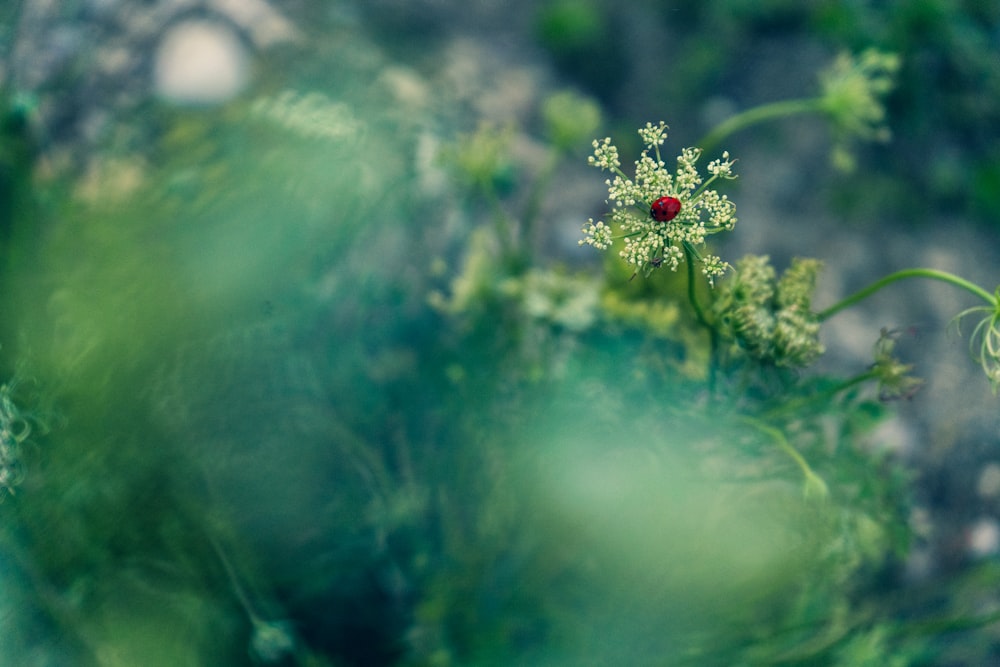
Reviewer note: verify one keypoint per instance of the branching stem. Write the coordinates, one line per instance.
(760, 114)
(814, 487)
(822, 397)
(932, 274)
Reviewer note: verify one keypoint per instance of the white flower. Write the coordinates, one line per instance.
(597, 234)
(722, 167)
(713, 267)
(653, 135)
(605, 155)
(651, 243)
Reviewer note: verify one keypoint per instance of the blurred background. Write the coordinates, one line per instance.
(302, 362)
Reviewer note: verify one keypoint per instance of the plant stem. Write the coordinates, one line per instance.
(534, 204)
(713, 334)
(759, 114)
(815, 486)
(234, 581)
(932, 274)
(689, 258)
(503, 226)
(940, 626)
(822, 397)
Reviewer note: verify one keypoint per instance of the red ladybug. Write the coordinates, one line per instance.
(665, 208)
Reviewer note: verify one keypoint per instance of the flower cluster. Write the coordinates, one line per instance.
(566, 301)
(853, 90)
(311, 115)
(650, 243)
(984, 344)
(770, 319)
(893, 376)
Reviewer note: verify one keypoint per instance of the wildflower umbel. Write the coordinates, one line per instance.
(853, 91)
(648, 243)
(894, 379)
(984, 343)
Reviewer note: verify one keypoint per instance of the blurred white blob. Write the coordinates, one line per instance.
(201, 63)
(983, 538)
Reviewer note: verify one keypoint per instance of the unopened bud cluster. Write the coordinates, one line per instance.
(767, 318)
(650, 241)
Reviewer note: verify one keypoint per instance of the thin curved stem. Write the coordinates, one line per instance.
(822, 397)
(759, 114)
(815, 487)
(932, 274)
(234, 581)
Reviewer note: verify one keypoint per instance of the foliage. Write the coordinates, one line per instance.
(737, 426)
(287, 430)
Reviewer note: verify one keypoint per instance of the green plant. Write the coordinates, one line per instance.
(551, 465)
(852, 90)
(726, 375)
(758, 318)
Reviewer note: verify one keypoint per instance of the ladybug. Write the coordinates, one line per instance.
(665, 208)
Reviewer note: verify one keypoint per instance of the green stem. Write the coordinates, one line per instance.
(713, 335)
(759, 114)
(534, 204)
(821, 398)
(689, 257)
(940, 626)
(504, 228)
(234, 581)
(815, 487)
(932, 274)
(701, 189)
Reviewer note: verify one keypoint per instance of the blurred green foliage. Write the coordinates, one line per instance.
(584, 38)
(297, 412)
(253, 396)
